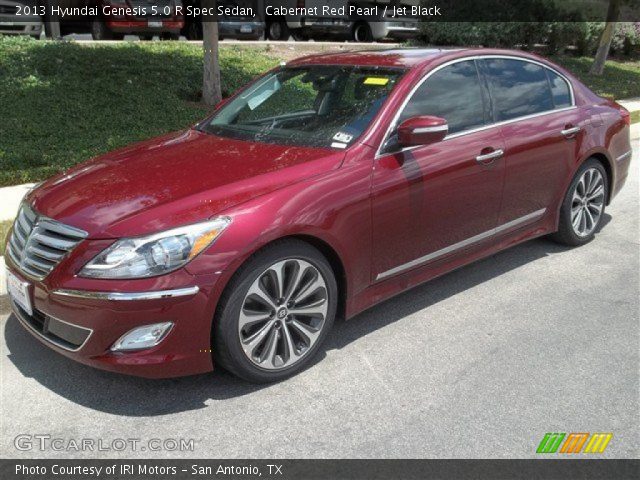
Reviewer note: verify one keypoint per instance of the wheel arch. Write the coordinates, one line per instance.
(322, 245)
(603, 157)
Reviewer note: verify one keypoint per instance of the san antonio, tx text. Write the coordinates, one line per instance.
(143, 469)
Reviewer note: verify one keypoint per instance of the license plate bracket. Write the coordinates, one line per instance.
(20, 292)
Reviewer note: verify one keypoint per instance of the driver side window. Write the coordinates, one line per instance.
(453, 93)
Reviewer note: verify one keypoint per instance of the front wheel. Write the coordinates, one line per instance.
(275, 313)
(583, 207)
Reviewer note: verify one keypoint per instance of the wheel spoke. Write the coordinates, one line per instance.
(589, 222)
(308, 333)
(249, 319)
(597, 192)
(308, 289)
(291, 352)
(595, 208)
(250, 344)
(257, 293)
(269, 352)
(578, 220)
(318, 307)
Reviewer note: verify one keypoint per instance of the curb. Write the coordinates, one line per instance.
(3, 275)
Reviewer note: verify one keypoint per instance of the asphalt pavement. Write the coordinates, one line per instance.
(479, 363)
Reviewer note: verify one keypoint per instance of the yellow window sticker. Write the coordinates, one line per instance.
(376, 81)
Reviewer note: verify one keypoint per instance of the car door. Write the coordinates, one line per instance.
(433, 201)
(541, 129)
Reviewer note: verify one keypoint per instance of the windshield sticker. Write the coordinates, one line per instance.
(342, 137)
(338, 145)
(376, 81)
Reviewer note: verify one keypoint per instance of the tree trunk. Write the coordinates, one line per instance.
(211, 93)
(604, 45)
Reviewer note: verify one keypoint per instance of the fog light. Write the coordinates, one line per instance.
(142, 337)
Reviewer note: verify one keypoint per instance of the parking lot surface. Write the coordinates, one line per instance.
(479, 363)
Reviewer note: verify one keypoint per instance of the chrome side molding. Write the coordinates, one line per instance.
(624, 155)
(127, 296)
(464, 243)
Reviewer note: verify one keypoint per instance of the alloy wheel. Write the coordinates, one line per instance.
(587, 202)
(283, 314)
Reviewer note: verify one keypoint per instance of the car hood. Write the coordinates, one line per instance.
(173, 180)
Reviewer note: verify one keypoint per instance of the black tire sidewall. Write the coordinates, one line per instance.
(226, 343)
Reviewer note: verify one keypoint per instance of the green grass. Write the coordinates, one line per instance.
(620, 80)
(635, 117)
(63, 103)
(4, 230)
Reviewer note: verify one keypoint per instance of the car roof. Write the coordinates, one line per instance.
(407, 58)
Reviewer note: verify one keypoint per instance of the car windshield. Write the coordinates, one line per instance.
(319, 106)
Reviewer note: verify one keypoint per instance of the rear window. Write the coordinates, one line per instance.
(518, 88)
(559, 90)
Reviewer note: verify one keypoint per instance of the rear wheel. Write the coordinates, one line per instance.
(362, 33)
(275, 313)
(583, 207)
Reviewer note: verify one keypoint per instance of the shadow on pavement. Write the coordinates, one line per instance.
(131, 396)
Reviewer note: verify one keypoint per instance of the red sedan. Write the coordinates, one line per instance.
(324, 187)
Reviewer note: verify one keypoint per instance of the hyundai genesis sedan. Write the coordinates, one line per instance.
(324, 187)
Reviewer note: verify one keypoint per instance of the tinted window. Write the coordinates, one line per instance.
(559, 90)
(453, 93)
(518, 88)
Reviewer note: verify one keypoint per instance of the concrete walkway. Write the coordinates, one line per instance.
(10, 198)
(631, 104)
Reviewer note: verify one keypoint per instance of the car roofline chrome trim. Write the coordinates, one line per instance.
(462, 244)
(26, 324)
(127, 296)
(393, 123)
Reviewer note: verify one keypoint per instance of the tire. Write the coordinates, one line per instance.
(299, 36)
(277, 31)
(361, 32)
(100, 31)
(277, 324)
(146, 38)
(583, 207)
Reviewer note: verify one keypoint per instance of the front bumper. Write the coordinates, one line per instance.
(83, 326)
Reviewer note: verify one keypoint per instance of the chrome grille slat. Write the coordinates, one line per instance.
(51, 241)
(45, 252)
(38, 244)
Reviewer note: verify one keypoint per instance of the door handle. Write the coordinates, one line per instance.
(488, 158)
(568, 132)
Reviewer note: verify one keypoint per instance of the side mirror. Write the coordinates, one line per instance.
(422, 131)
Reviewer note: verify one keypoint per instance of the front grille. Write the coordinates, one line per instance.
(38, 244)
(64, 335)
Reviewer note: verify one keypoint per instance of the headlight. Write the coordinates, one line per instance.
(155, 254)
